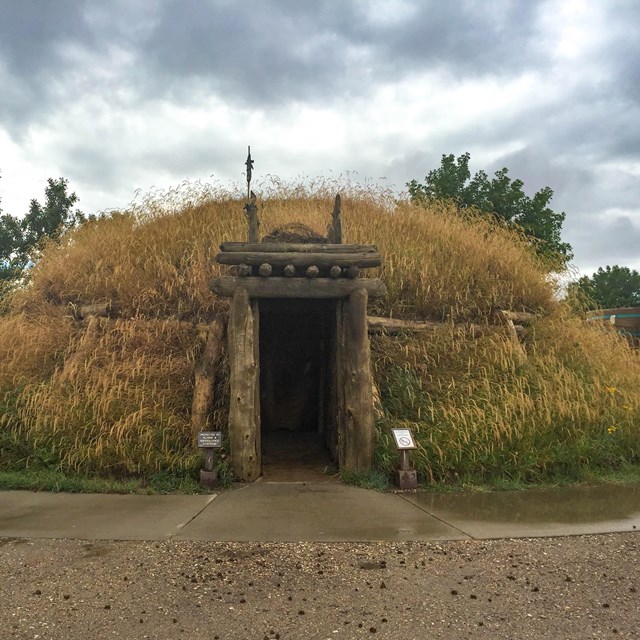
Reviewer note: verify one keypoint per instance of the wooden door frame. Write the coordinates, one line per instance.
(353, 393)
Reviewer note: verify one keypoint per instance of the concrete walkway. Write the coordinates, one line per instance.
(320, 511)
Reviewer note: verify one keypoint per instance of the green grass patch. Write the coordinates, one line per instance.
(626, 475)
(57, 481)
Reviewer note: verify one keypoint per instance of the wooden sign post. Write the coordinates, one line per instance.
(209, 441)
(407, 477)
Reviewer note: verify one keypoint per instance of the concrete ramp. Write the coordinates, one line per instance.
(324, 511)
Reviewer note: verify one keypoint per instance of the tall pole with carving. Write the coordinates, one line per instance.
(251, 209)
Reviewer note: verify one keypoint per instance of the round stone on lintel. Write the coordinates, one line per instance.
(265, 270)
(352, 271)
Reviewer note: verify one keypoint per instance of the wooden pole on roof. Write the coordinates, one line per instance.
(251, 209)
(335, 228)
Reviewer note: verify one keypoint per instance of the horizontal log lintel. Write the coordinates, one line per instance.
(296, 247)
(297, 287)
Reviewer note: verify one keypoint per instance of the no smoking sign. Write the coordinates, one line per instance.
(404, 439)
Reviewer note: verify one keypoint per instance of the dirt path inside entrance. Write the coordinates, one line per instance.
(296, 456)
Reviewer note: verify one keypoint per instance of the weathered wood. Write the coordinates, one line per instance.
(204, 378)
(103, 309)
(335, 228)
(289, 271)
(394, 326)
(334, 387)
(251, 211)
(522, 317)
(378, 409)
(244, 270)
(503, 318)
(302, 260)
(295, 247)
(312, 271)
(276, 287)
(244, 407)
(265, 270)
(335, 271)
(352, 271)
(86, 344)
(357, 411)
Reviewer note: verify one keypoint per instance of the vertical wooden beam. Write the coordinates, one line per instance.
(251, 211)
(334, 382)
(335, 228)
(86, 344)
(204, 378)
(244, 409)
(357, 429)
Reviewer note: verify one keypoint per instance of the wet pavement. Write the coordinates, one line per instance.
(536, 512)
(321, 511)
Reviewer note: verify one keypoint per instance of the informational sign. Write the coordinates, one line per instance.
(210, 439)
(404, 439)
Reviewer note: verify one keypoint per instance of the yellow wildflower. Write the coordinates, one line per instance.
(612, 429)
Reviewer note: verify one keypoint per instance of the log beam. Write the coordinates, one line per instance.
(87, 343)
(321, 260)
(394, 326)
(296, 287)
(102, 309)
(204, 379)
(355, 363)
(521, 317)
(244, 408)
(335, 228)
(295, 247)
(251, 212)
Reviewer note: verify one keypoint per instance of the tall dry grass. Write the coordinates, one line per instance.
(477, 407)
(480, 411)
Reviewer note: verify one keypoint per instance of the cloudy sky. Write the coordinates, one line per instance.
(121, 95)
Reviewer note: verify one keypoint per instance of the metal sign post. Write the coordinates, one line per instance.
(407, 477)
(208, 441)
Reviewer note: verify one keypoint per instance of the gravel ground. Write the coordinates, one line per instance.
(579, 587)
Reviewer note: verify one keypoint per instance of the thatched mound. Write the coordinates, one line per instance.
(115, 394)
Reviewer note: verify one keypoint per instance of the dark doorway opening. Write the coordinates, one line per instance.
(297, 340)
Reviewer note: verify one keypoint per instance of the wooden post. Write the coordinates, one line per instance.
(86, 344)
(335, 228)
(357, 421)
(244, 409)
(503, 318)
(251, 211)
(205, 378)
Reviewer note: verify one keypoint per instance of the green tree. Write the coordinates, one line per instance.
(10, 243)
(609, 288)
(54, 217)
(500, 196)
(20, 239)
